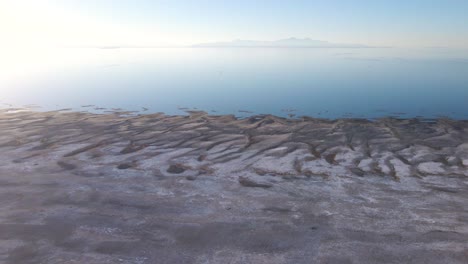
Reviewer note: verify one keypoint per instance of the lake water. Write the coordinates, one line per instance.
(329, 83)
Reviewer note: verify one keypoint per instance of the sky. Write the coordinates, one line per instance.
(399, 23)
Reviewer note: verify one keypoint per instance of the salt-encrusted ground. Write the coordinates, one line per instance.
(88, 188)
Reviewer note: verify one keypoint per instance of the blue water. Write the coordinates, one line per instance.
(329, 83)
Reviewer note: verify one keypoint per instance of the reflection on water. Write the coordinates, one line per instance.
(329, 83)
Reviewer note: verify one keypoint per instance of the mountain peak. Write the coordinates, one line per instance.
(291, 42)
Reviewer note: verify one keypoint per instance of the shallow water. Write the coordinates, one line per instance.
(329, 83)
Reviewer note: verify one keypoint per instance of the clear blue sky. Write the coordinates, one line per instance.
(375, 22)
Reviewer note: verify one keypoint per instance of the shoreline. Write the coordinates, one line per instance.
(239, 114)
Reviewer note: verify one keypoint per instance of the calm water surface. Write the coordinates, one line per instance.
(329, 83)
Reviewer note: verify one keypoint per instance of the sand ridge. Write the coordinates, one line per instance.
(259, 145)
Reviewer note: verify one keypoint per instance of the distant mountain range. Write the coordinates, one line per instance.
(282, 43)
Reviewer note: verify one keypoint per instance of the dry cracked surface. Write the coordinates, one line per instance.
(115, 188)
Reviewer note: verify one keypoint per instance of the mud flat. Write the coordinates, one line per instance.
(116, 188)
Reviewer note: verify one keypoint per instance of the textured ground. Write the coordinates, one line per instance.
(111, 188)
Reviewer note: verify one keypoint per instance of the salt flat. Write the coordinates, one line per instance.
(79, 187)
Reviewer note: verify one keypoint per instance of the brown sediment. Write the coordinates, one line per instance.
(153, 188)
(264, 141)
(176, 168)
(251, 183)
(219, 140)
